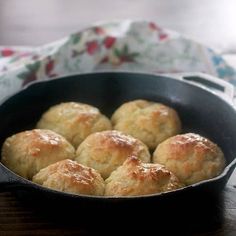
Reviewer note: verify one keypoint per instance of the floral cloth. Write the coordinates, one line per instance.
(116, 46)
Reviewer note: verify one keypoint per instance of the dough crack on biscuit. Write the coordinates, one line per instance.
(106, 150)
(137, 178)
(72, 177)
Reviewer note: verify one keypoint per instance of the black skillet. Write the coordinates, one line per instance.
(201, 111)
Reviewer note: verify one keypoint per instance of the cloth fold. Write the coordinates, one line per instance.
(138, 46)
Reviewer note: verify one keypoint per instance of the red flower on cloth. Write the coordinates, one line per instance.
(154, 26)
(99, 30)
(109, 41)
(49, 67)
(7, 52)
(92, 47)
(163, 36)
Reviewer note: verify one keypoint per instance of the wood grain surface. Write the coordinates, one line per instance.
(19, 218)
(32, 23)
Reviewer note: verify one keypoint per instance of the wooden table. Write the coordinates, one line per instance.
(33, 23)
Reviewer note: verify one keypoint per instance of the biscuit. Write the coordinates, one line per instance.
(191, 157)
(27, 152)
(150, 122)
(106, 150)
(71, 177)
(136, 178)
(74, 121)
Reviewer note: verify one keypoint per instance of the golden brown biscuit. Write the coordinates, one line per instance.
(27, 152)
(105, 151)
(71, 177)
(148, 121)
(137, 178)
(190, 157)
(74, 121)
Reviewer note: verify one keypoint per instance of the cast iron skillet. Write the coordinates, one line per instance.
(200, 110)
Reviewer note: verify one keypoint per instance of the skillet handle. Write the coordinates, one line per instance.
(9, 181)
(219, 86)
(230, 168)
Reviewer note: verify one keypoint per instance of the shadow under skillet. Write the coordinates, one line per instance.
(189, 215)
